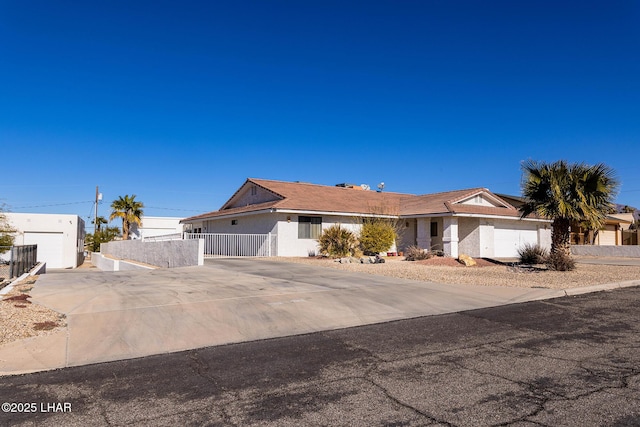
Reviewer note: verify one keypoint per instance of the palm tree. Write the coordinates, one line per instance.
(129, 210)
(565, 193)
(98, 221)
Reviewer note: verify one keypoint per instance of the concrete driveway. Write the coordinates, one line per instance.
(122, 315)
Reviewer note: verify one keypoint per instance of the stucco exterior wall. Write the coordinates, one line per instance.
(169, 253)
(70, 228)
(250, 224)
(290, 245)
(469, 236)
(612, 251)
(156, 226)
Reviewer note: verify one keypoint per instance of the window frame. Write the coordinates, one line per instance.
(309, 227)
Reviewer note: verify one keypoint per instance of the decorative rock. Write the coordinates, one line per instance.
(466, 260)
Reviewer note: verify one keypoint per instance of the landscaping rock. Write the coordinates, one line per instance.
(466, 260)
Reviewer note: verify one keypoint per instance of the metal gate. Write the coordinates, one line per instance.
(218, 245)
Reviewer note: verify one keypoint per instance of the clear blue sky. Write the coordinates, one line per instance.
(180, 102)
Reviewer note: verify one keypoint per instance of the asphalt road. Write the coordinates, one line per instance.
(572, 361)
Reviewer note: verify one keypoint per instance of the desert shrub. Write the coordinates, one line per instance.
(377, 236)
(560, 261)
(415, 253)
(532, 254)
(336, 241)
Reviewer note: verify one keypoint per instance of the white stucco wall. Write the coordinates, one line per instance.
(250, 224)
(157, 226)
(290, 245)
(67, 231)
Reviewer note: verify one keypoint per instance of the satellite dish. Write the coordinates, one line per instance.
(365, 186)
(380, 187)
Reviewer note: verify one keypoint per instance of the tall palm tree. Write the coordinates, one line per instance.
(129, 210)
(567, 192)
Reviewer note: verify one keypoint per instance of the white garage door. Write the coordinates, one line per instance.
(608, 235)
(509, 238)
(50, 248)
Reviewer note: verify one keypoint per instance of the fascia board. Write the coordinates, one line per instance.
(440, 215)
(353, 214)
(213, 218)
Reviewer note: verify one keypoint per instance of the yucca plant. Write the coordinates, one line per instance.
(337, 241)
(532, 254)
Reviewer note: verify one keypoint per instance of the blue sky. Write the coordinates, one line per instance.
(180, 102)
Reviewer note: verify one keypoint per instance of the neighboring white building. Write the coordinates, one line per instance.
(475, 221)
(156, 226)
(60, 238)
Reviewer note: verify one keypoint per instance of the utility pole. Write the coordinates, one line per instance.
(96, 226)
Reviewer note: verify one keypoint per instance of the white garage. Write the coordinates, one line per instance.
(60, 238)
(508, 238)
(50, 247)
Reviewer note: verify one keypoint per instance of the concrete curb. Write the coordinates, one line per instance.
(599, 288)
(35, 270)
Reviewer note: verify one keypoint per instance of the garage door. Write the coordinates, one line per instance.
(50, 247)
(607, 236)
(509, 238)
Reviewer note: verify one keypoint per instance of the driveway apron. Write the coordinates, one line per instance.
(128, 314)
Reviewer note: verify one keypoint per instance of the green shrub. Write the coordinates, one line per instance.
(336, 241)
(415, 253)
(532, 254)
(377, 236)
(560, 261)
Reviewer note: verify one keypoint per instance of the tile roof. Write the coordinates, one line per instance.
(323, 198)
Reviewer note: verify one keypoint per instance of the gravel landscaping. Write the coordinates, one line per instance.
(22, 319)
(448, 270)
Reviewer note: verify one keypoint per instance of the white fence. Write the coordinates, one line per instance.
(218, 245)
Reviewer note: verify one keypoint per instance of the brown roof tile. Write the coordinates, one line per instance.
(323, 198)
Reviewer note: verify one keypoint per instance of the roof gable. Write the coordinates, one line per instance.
(474, 201)
(249, 194)
(482, 198)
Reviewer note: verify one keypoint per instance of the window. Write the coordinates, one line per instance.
(234, 222)
(309, 227)
(434, 229)
(254, 190)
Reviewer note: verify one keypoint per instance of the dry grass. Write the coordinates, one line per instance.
(19, 318)
(454, 273)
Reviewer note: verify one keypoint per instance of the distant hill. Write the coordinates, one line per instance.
(636, 211)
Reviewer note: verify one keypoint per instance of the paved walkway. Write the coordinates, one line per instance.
(122, 315)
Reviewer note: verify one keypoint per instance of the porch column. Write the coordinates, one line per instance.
(450, 236)
(423, 233)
